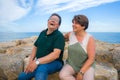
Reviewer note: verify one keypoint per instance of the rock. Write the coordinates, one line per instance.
(11, 66)
(26, 61)
(54, 76)
(116, 59)
(14, 50)
(2, 75)
(102, 72)
(26, 41)
(7, 44)
(104, 52)
(105, 71)
(65, 55)
(20, 42)
(50, 77)
(12, 59)
(2, 50)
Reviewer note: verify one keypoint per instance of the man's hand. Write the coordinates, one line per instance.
(31, 67)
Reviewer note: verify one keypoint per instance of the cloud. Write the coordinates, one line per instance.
(50, 6)
(11, 10)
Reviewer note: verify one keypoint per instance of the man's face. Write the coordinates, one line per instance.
(53, 23)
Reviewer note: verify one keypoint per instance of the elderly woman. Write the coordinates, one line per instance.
(81, 52)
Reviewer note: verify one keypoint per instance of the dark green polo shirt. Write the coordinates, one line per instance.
(46, 43)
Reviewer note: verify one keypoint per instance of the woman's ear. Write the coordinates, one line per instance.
(83, 27)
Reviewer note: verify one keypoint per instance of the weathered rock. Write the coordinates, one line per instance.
(105, 71)
(14, 50)
(2, 50)
(26, 41)
(2, 75)
(11, 66)
(13, 54)
(104, 52)
(102, 72)
(7, 44)
(54, 76)
(116, 59)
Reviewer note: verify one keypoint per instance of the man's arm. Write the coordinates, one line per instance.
(31, 61)
(50, 57)
(32, 55)
(58, 46)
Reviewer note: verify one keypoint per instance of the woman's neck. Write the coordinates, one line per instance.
(80, 33)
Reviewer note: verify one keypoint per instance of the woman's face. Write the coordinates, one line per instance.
(77, 27)
(53, 23)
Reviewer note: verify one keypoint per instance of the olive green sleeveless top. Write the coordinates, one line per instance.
(77, 53)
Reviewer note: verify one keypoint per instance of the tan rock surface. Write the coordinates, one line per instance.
(13, 54)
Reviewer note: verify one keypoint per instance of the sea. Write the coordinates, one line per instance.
(109, 37)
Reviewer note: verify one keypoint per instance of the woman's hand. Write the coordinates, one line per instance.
(79, 76)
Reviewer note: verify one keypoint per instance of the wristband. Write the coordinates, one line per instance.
(37, 62)
(81, 73)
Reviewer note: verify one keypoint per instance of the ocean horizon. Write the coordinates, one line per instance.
(109, 37)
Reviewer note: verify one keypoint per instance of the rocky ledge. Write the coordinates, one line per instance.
(14, 57)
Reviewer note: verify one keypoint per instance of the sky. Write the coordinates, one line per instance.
(32, 15)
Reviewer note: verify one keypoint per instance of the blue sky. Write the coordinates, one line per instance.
(32, 15)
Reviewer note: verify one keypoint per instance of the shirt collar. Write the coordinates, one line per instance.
(54, 32)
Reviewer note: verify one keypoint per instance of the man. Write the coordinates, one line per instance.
(46, 57)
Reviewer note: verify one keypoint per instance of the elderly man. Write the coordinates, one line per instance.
(47, 53)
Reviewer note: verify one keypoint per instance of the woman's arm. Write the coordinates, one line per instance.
(66, 36)
(91, 55)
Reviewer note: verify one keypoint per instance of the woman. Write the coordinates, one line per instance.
(81, 52)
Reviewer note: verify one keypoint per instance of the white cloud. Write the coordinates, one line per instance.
(11, 10)
(50, 6)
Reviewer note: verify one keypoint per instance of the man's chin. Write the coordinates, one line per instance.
(52, 29)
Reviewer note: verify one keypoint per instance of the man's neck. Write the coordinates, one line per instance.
(49, 31)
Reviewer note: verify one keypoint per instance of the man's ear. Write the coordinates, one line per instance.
(58, 26)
